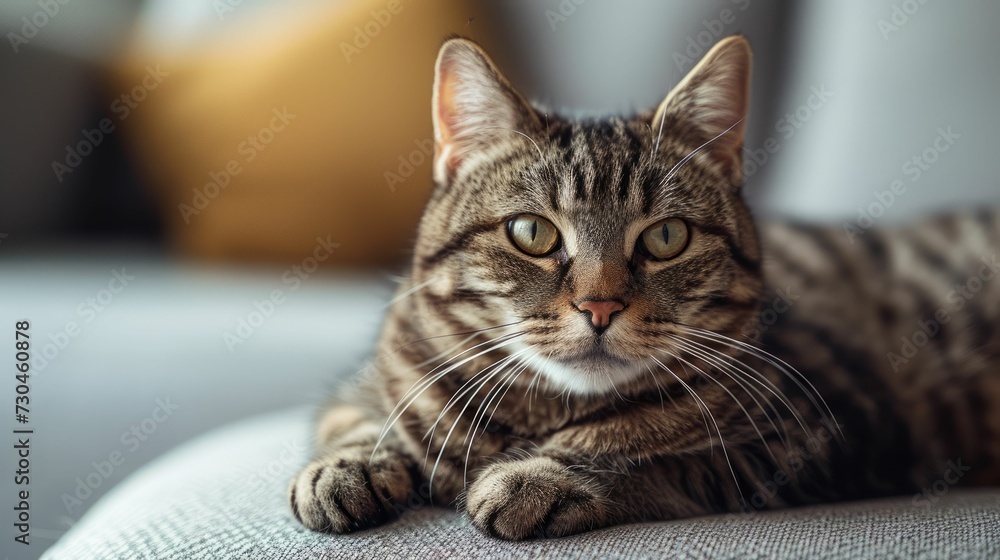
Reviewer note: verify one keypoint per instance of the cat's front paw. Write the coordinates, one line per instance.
(536, 497)
(343, 492)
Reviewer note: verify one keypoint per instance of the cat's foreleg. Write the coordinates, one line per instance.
(349, 484)
(538, 497)
(553, 494)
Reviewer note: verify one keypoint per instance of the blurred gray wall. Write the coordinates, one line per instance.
(892, 74)
(899, 78)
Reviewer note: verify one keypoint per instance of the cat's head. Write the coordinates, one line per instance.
(598, 241)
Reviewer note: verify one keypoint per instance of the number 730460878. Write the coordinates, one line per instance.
(22, 345)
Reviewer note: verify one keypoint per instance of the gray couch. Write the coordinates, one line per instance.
(223, 496)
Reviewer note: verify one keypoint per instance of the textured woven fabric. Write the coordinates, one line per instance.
(223, 496)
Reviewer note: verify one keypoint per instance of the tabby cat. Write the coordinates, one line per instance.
(590, 333)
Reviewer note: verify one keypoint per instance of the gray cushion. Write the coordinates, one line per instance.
(223, 496)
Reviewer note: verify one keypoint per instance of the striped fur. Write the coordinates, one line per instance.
(492, 391)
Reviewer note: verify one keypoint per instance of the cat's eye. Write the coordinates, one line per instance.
(664, 239)
(533, 234)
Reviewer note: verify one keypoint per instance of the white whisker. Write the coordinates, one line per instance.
(811, 393)
(470, 436)
(677, 167)
(454, 424)
(721, 360)
(445, 352)
(656, 148)
(409, 292)
(541, 156)
(425, 383)
(736, 400)
(722, 441)
(466, 387)
(613, 388)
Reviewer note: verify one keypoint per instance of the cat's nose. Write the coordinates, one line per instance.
(600, 311)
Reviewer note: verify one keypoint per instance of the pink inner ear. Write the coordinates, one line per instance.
(452, 121)
(447, 115)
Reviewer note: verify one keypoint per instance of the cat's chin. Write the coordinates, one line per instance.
(590, 375)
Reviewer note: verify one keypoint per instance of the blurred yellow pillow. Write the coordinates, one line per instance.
(285, 130)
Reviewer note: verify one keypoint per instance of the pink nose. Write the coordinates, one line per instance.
(600, 310)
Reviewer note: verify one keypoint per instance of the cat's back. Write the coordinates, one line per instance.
(947, 264)
(899, 325)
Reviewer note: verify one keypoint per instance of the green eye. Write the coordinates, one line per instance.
(665, 239)
(533, 235)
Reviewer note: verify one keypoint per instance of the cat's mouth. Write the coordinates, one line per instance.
(596, 354)
(590, 365)
(592, 371)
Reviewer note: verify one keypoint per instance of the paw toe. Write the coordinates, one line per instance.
(521, 501)
(336, 497)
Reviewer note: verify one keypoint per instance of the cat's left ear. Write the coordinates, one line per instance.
(708, 108)
(474, 107)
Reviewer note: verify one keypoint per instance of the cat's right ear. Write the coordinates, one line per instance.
(711, 105)
(474, 107)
